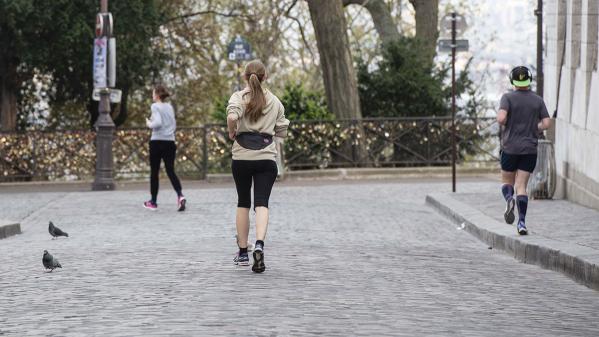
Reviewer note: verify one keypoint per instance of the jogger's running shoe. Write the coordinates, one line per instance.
(522, 228)
(181, 203)
(258, 266)
(242, 260)
(150, 205)
(509, 211)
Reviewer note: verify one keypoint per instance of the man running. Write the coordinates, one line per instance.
(523, 115)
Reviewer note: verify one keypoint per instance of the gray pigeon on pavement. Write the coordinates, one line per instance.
(55, 231)
(50, 262)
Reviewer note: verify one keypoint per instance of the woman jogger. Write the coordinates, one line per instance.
(254, 117)
(163, 147)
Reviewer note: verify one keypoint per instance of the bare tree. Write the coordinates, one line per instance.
(381, 17)
(427, 19)
(328, 19)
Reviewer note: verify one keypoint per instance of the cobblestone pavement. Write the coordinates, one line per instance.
(359, 259)
(556, 219)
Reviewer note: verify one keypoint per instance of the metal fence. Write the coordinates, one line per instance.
(70, 155)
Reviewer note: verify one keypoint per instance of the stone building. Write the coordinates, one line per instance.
(572, 88)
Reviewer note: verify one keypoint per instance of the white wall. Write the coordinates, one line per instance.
(577, 127)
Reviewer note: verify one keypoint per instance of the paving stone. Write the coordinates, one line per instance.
(355, 259)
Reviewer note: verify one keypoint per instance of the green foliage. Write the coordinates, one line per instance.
(404, 84)
(219, 113)
(55, 38)
(303, 104)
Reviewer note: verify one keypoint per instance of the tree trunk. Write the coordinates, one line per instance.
(328, 19)
(381, 17)
(427, 21)
(8, 96)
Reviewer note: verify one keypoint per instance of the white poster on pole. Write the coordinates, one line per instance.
(100, 47)
(112, 62)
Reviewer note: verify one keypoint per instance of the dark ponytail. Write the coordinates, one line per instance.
(161, 92)
(255, 72)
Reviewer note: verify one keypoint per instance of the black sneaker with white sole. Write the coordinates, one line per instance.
(258, 266)
(242, 260)
(509, 211)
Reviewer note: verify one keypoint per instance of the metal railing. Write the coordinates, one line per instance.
(389, 142)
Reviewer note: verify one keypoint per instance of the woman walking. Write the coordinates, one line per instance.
(254, 117)
(162, 146)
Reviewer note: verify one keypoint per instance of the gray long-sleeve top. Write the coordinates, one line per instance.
(162, 122)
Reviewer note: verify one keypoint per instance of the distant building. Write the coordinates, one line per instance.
(572, 87)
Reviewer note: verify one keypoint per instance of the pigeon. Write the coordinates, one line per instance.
(55, 231)
(50, 262)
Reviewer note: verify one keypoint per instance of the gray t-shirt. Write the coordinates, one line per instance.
(525, 110)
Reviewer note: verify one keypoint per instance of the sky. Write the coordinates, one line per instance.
(502, 35)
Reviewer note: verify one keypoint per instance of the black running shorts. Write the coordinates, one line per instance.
(513, 162)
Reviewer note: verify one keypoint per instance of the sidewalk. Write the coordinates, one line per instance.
(563, 236)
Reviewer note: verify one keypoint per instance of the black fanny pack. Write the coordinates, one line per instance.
(253, 140)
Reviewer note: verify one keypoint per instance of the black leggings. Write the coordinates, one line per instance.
(163, 150)
(262, 172)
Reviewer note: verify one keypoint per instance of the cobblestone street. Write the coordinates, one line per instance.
(343, 259)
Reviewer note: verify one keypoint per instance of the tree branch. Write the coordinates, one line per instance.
(230, 14)
(288, 11)
(301, 27)
(381, 17)
(355, 2)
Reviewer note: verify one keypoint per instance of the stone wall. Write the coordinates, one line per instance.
(571, 74)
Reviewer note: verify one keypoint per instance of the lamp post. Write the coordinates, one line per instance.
(540, 73)
(453, 25)
(104, 125)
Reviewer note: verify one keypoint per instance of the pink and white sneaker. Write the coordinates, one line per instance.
(150, 205)
(181, 203)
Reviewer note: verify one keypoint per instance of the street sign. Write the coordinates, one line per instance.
(239, 50)
(460, 25)
(100, 52)
(99, 25)
(115, 95)
(109, 24)
(103, 24)
(445, 45)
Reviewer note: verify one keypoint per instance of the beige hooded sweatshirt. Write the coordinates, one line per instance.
(272, 122)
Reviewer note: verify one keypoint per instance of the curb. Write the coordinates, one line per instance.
(578, 262)
(9, 229)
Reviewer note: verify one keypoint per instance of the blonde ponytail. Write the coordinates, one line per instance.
(255, 72)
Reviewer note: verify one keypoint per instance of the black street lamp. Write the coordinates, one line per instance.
(540, 75)
(104, 125)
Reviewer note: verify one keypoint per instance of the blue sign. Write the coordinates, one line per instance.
(239, 50)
